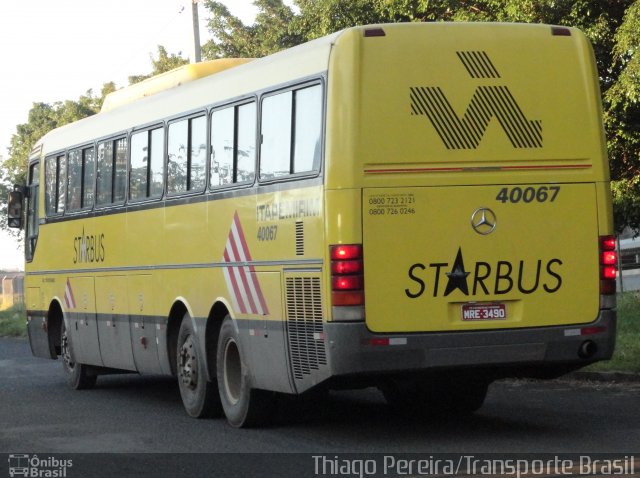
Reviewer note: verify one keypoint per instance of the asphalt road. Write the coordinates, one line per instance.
(136, 414)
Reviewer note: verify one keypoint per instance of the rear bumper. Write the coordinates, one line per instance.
(544, 351)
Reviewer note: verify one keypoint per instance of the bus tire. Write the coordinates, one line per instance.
(199, 395)
(243, 406)
(79, 376)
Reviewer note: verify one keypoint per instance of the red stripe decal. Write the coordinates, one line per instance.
(479, 169)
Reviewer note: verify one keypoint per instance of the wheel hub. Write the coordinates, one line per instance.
(66, 352)
(188, 365)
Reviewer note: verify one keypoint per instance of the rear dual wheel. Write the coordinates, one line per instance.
(199, 395)
(243, 405)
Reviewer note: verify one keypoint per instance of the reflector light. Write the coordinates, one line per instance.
(346, 252)
(592, 330)
(379, 341)
(608, 287)
(355, 297)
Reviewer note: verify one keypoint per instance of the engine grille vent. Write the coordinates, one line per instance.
(304, 323)
(299, 238)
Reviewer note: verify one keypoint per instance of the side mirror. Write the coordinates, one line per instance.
(15, 204)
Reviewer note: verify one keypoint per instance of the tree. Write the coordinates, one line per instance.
(612, 26)
(622, 120)
(165, 62)
(43, 117)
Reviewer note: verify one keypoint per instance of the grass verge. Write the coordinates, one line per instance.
(626, 357)
(12, 322)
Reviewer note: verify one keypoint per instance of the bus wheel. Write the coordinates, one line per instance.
(199, 396)
(78, 375)
(242, 405)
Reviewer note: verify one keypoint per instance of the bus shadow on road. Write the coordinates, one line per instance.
(367, 411)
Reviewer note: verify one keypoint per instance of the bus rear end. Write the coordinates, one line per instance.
(474, 155)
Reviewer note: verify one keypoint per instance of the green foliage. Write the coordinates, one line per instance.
(12, 322)
(613, 27)
(270, 33)
(165, 62)
(626, 357)
(43, 117)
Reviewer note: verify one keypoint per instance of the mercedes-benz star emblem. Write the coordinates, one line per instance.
(483, 221)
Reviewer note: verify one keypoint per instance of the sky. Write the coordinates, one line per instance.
(55, 50)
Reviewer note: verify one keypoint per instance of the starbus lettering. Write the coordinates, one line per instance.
(486, 278)
(88, 248)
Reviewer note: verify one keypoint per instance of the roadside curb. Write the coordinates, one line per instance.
(612, 377)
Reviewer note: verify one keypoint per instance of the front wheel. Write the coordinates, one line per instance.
(243, 406)
(79, 376)
(199, 396)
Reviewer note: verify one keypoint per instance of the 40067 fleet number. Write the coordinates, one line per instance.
(528, 195)
(267, 233)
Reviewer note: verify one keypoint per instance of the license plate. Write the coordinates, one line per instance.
(484, 312)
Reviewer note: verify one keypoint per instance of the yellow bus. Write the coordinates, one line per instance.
(424, 208)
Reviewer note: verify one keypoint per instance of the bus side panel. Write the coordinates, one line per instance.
(80, 320)
(113, 327)
(266, 340)
(143, 324)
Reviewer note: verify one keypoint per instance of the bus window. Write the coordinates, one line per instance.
(233, 145)
(61, 182)
(198, 153)
(286, 150)
(275, 151)
(147, 165)
(222, 147)
(156, 173)
(55, 184)
(112, 171)
(138, 180)
(246, 148)
(120, 182)
(32, 211)
(187, 155)
(88, 167)
(177, 151)
(74, 184)
(308, 127)
(105, 173)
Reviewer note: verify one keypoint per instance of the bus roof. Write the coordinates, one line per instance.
(243, 79)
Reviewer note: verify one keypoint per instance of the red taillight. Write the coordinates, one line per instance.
(609, 258)
(347, 279)
(607, 243)
(345, 252)
(347, 283)
(346, 267)
(608, 265)
(609, 272)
